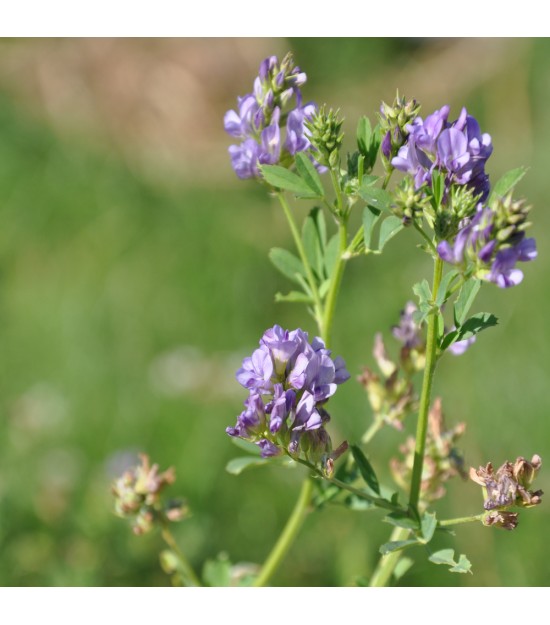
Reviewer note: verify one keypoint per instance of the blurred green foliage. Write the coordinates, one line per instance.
(126, 304)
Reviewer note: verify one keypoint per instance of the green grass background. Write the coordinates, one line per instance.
(127, 301)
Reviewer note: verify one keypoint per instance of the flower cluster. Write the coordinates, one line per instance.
(458, 149)
(289, 380)
(506, 487)
(493, 240)
(138, 496)
(257, 123)
(442, 459)
(409, 333)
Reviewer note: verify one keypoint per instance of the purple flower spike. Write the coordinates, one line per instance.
(257, 123)
(457, 149)
(289, 379)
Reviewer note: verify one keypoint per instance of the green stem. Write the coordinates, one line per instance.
(189, 575)
(337, 190)
(419, 229)
(336, 280)
(464, 519)
(303, 257)
(290, 531)
(378, 501)
(386, 565)
(374, 428)
(425, 396)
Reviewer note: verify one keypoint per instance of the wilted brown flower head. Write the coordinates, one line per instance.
(509, 484)
(138, 496)
(501, 518)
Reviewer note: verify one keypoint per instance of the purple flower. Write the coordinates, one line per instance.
(257, 370)
(459, 347)
(408, 331)
(457, 149)
(479, 242)
(289, 379)
(257, 122)
(268, 448)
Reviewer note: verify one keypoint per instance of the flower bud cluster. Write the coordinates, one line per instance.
(289, 381)
(138, 496)
(457, 149)
(409, 203)
(442, 459)
(493, 241)
(508, 487)
(325, 127)
(258, 123)
(394, 123)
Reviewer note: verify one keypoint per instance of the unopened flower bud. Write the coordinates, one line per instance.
(325, 127)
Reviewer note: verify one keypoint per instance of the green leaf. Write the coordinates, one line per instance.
(332, 252)
(397, 545)
(444, 556)
(507, 183)
(465, 300)
(422, 291)
(463, 566)
(287, 263)
(389, 228)
(237, 465)
(358, 504)
(312, 243)
(438, 187)
(441, 297)
(374, 196)
(401, 520)
(370, 216)
(282, 178)
(217, 573)
(309, 174)
(365, 468)
(294, 297)
(375, 141)
(402, 566)
(476, 324)
(368, 181)
(447, 557)
(323, 288)
(427, 527)
(247, 446)
(364, 133)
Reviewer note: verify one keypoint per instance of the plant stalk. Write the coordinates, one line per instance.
(190, 577)
(290, 531)
(318, 308)
(386, 565)
(425, 396)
